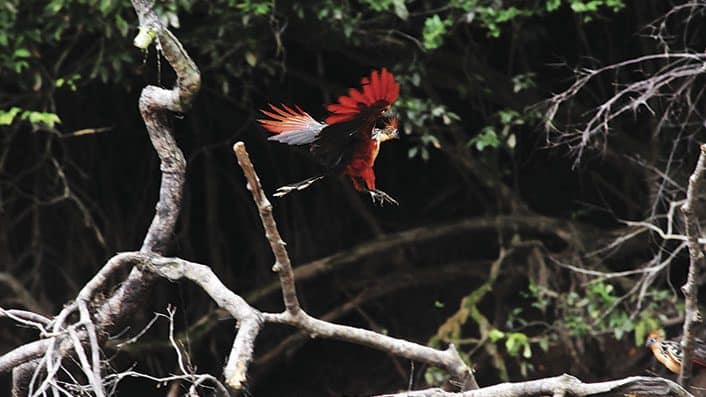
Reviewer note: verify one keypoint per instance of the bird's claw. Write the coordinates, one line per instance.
(380, 197)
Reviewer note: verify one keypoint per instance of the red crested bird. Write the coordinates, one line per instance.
(348, 141)
(669, 353)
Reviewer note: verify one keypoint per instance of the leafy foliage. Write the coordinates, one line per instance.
(8, 117)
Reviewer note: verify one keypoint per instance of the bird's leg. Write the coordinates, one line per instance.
(380, 197)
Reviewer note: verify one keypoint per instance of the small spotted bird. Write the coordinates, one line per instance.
(669, 353)
(348, 141)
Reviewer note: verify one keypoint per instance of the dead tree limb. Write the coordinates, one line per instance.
(156, 105)
(448, 359)
(696, 264)
(249, 319)
(282, 265)
(565, 385)
(381, 287)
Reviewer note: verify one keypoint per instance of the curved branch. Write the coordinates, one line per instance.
(571, 232)
(382, 287)
(155, 106)
(448, 359)
(565, 385)
(249, 319)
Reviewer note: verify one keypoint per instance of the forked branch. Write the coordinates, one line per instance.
(448, 359)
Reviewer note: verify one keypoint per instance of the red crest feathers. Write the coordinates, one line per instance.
(380, 89)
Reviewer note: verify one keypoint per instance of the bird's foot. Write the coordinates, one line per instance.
(380, 197)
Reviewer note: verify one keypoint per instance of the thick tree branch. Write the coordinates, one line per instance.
(156, 105)
(448, 359)
(381, 287)
(696, 264)
(572, 233)
(249, 319)
(98, 283)
(565, 385)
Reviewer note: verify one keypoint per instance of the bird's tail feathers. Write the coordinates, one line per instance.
(284, 190)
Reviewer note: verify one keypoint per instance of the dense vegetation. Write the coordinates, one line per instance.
(519, 253)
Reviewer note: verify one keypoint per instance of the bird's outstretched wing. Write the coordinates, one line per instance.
(291, 126)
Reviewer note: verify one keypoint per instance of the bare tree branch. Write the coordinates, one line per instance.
(381, 287)
(282, 266)
(156, 105)
(573, 233)
(249, 319)
(448, 359)
(696, 264)
(565, 385)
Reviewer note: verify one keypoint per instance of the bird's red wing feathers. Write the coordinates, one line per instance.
(380, 89)
(286, 119)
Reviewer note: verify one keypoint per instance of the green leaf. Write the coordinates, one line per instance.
(553, 5)
(400, 9)
(20, 65)
(487, 138)
(48, 119)
(516, 341)
(105, 6)
(7, 116)
(55, 6)
(122, 25)
(527, 351)
(495, 335)
(251, 58)
(434, 32)
(22, 53)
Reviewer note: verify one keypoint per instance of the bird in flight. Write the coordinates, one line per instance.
(348, 141)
